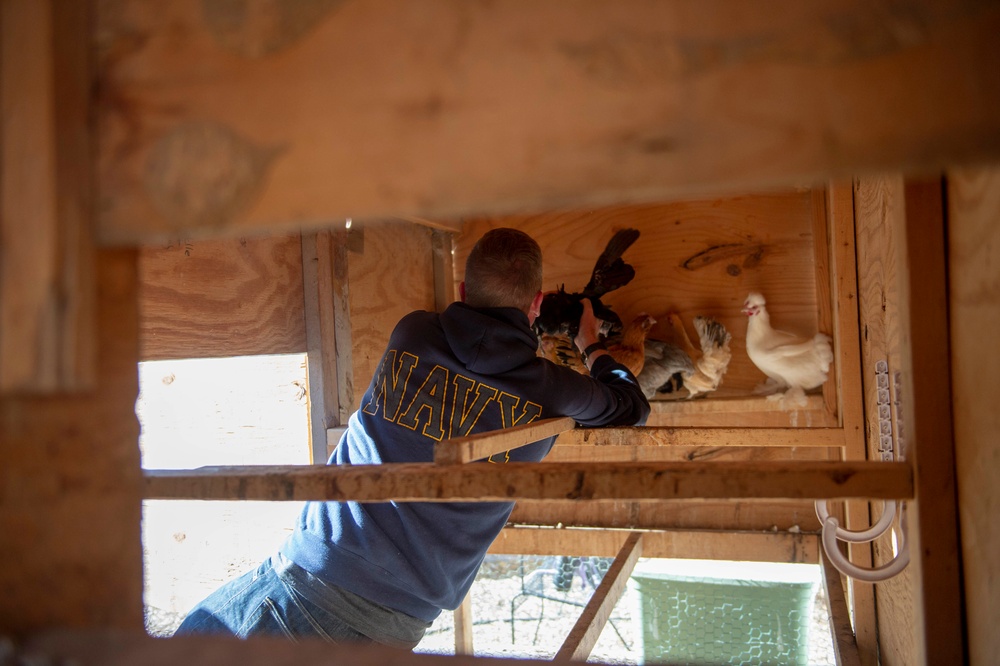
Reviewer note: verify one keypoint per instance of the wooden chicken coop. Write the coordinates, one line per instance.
(205, 178)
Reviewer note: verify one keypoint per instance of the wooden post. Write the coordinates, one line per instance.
(844, 291)
(328, 337)
(974, 308)
(927, 431)
(47, 291)
(70, 484)
(463, 628)
(880, 216)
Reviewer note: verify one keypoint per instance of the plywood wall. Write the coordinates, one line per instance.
(391, 274)
(698, 257)
(219, 298)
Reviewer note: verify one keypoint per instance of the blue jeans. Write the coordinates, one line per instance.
(264, 603)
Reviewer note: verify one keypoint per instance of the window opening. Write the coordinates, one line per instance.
(246, 410)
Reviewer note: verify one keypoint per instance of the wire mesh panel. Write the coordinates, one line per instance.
(759, 616)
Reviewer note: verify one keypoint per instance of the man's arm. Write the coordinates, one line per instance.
(587, 337)
(632, 407)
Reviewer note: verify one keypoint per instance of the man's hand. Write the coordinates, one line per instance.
(589, 327)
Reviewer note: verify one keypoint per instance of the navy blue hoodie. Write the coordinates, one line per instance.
(460, 372)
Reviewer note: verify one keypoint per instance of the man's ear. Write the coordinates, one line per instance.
(536, 307)
(461, 290)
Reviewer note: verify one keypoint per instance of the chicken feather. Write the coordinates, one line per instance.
(710, 358)
(664, 368)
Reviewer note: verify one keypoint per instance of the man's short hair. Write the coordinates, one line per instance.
(504, 269)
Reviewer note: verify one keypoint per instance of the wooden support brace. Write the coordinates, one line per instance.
(481, 446)
(845, 644)
(587, 630)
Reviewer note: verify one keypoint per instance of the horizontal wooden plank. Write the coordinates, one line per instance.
(708, 437)
(223, 121)
(427, 482)
(677, 514)
(730, 408)
(574, 452)
(100, 647)
(483, 445)
(683, 544)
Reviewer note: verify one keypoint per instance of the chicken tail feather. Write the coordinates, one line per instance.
(611, 272)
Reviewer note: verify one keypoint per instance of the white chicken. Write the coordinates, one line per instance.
(791, 363)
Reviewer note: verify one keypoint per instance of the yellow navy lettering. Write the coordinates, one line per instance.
(423, 408)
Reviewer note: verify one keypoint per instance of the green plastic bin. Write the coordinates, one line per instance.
(710, 612)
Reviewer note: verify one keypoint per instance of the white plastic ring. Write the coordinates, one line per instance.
(875, 531)
(875, 575)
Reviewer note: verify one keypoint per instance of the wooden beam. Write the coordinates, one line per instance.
(845, 644)
(491, 107)
(741, 411)
(64, 461)
(705, 514)
(587, 630)
(332, 250)
(117, 648)
(429, 482)
(47, 289)
(463, 628)
(321, 374)
(849, 398)
(484, 445)
(974, 305)
(925, 402)
(684, 544)
(328, 334)
(646, 436)
(879, 218)
(574, 452)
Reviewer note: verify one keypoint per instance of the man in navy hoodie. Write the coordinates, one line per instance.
(382, 572)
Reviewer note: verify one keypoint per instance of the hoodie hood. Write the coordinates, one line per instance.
(489, 341)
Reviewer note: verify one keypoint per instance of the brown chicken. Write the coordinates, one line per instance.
(628, 348)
